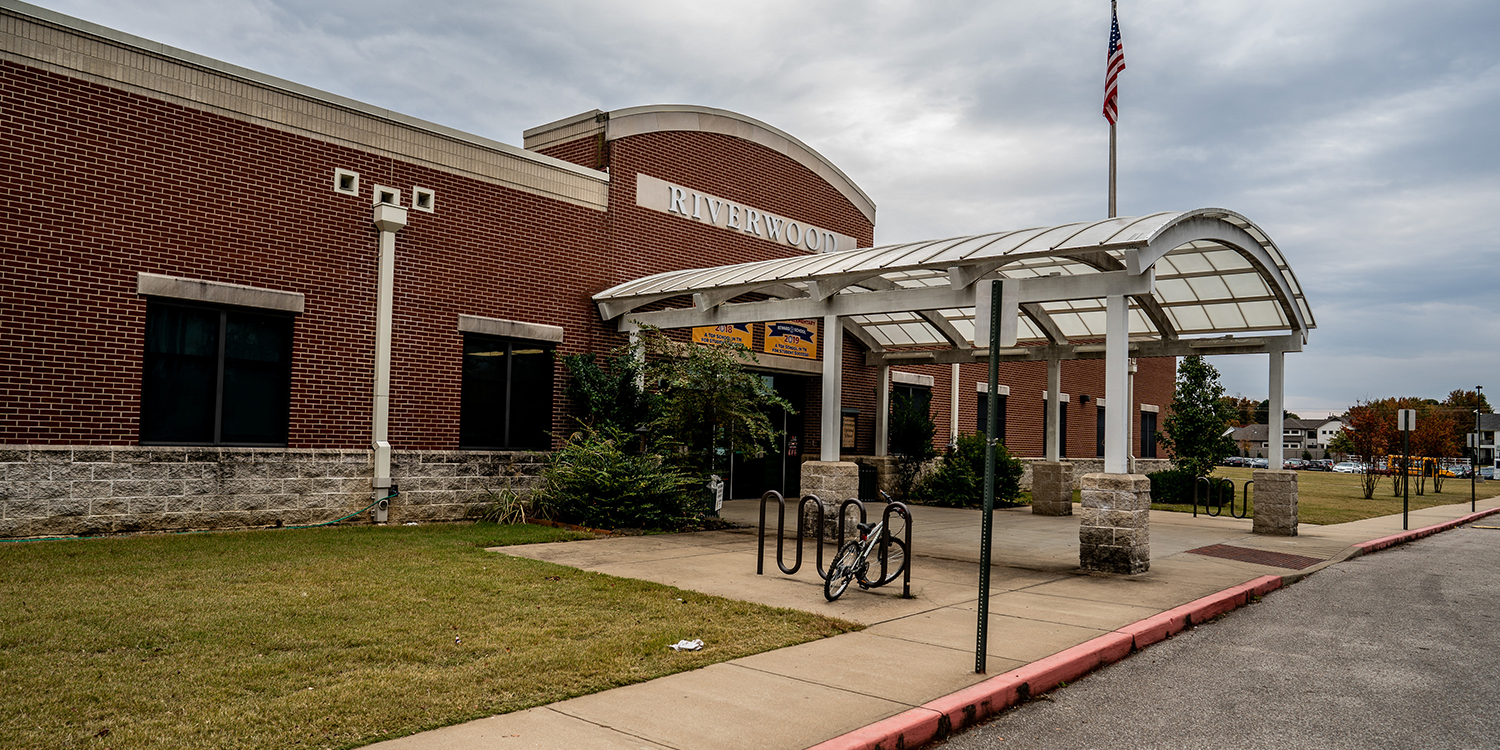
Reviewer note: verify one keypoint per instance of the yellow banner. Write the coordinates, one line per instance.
(730, 335)
(793, 338)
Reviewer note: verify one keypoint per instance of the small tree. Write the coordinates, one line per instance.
(707, 401)
(1365, 437)
(609, 395)
(1195, 430)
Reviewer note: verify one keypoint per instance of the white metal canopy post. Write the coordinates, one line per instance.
(1052, 450)
(1277, 409)
(1117, 385)
(833, 376)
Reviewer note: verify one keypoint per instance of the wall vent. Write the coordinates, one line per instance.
(423, 199)
(384, 194)
(345, 182)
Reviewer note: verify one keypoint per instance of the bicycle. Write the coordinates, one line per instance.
(854, 559)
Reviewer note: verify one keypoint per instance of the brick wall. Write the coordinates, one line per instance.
(105, 183)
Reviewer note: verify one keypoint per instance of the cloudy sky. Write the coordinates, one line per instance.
(1360, 134)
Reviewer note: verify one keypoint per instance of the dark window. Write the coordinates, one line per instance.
(921, 397)
(1062, 428)
(507, 394)
(984, 416)
(215, 376)
(1099, 431)
(1148, 434)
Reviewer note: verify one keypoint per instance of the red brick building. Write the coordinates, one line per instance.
(192, 283)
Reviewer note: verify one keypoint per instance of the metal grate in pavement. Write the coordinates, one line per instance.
(1257, 556)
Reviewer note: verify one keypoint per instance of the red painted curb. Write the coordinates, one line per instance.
(1386, 542)
(937, 719)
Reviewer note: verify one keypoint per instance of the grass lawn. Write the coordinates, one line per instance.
(1327, 498)
(332, 637)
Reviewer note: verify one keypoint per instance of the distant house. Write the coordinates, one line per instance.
(1297, 435)
(1489, 424)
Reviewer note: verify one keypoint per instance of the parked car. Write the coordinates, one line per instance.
(1348, 467)
(1321, 464)
(1260, 463)
(1294, 463)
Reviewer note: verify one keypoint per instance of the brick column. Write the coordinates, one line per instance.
(833, 482)
(1275, 497)
(1052, 488)
(1114, 533)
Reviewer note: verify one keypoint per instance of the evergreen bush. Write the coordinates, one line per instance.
(596, 481)
(958, 481)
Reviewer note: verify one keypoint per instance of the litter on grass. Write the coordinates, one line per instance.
(693, 645)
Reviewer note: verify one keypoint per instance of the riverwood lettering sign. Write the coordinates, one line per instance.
(660, 195)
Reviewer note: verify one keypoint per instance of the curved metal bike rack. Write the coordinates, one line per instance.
(1216, 488)
(760, 558)
(886, 576)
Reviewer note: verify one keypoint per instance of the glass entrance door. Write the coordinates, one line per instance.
(753, 474)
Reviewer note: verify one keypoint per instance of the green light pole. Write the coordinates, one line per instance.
(987, 521)
(1406, 421)
(1474, 465)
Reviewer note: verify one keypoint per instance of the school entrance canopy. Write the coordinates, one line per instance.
(1207, 281)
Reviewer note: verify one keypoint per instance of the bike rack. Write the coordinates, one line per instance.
(1215, 489)
(886, 577)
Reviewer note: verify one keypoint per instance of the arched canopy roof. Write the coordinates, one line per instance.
(1190, 276)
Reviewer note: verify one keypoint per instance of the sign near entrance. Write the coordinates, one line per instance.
(792, 338)
(739, 334)
(690, 204)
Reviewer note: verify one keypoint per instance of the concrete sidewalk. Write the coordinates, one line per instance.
(909, 676)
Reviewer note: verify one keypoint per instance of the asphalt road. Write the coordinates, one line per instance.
(1399, 649)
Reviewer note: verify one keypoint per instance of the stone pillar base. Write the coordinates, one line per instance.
(1052, 488)
(1275, 502)
(1114, 532)
(833, 482)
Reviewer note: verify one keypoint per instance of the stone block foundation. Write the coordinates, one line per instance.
(1114, 533)
(1052, 488)
(50, 490)
(1275, 497)
(833, 482)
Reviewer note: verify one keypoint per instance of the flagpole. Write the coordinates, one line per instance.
(1112, 170)
(1114, 64)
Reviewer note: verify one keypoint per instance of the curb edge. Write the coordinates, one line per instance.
(937, 719)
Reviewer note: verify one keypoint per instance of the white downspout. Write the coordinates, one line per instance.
(389, 219)
(953, 408)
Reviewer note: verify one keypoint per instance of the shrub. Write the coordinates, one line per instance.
(958, 480)
(502, 506)
(1176, 486)
(594, 481)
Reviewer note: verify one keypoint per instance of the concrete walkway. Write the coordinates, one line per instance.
(909, 676)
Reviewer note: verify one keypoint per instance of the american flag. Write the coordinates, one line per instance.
(1112, 68)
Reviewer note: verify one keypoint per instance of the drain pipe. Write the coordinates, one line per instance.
(389, 219)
